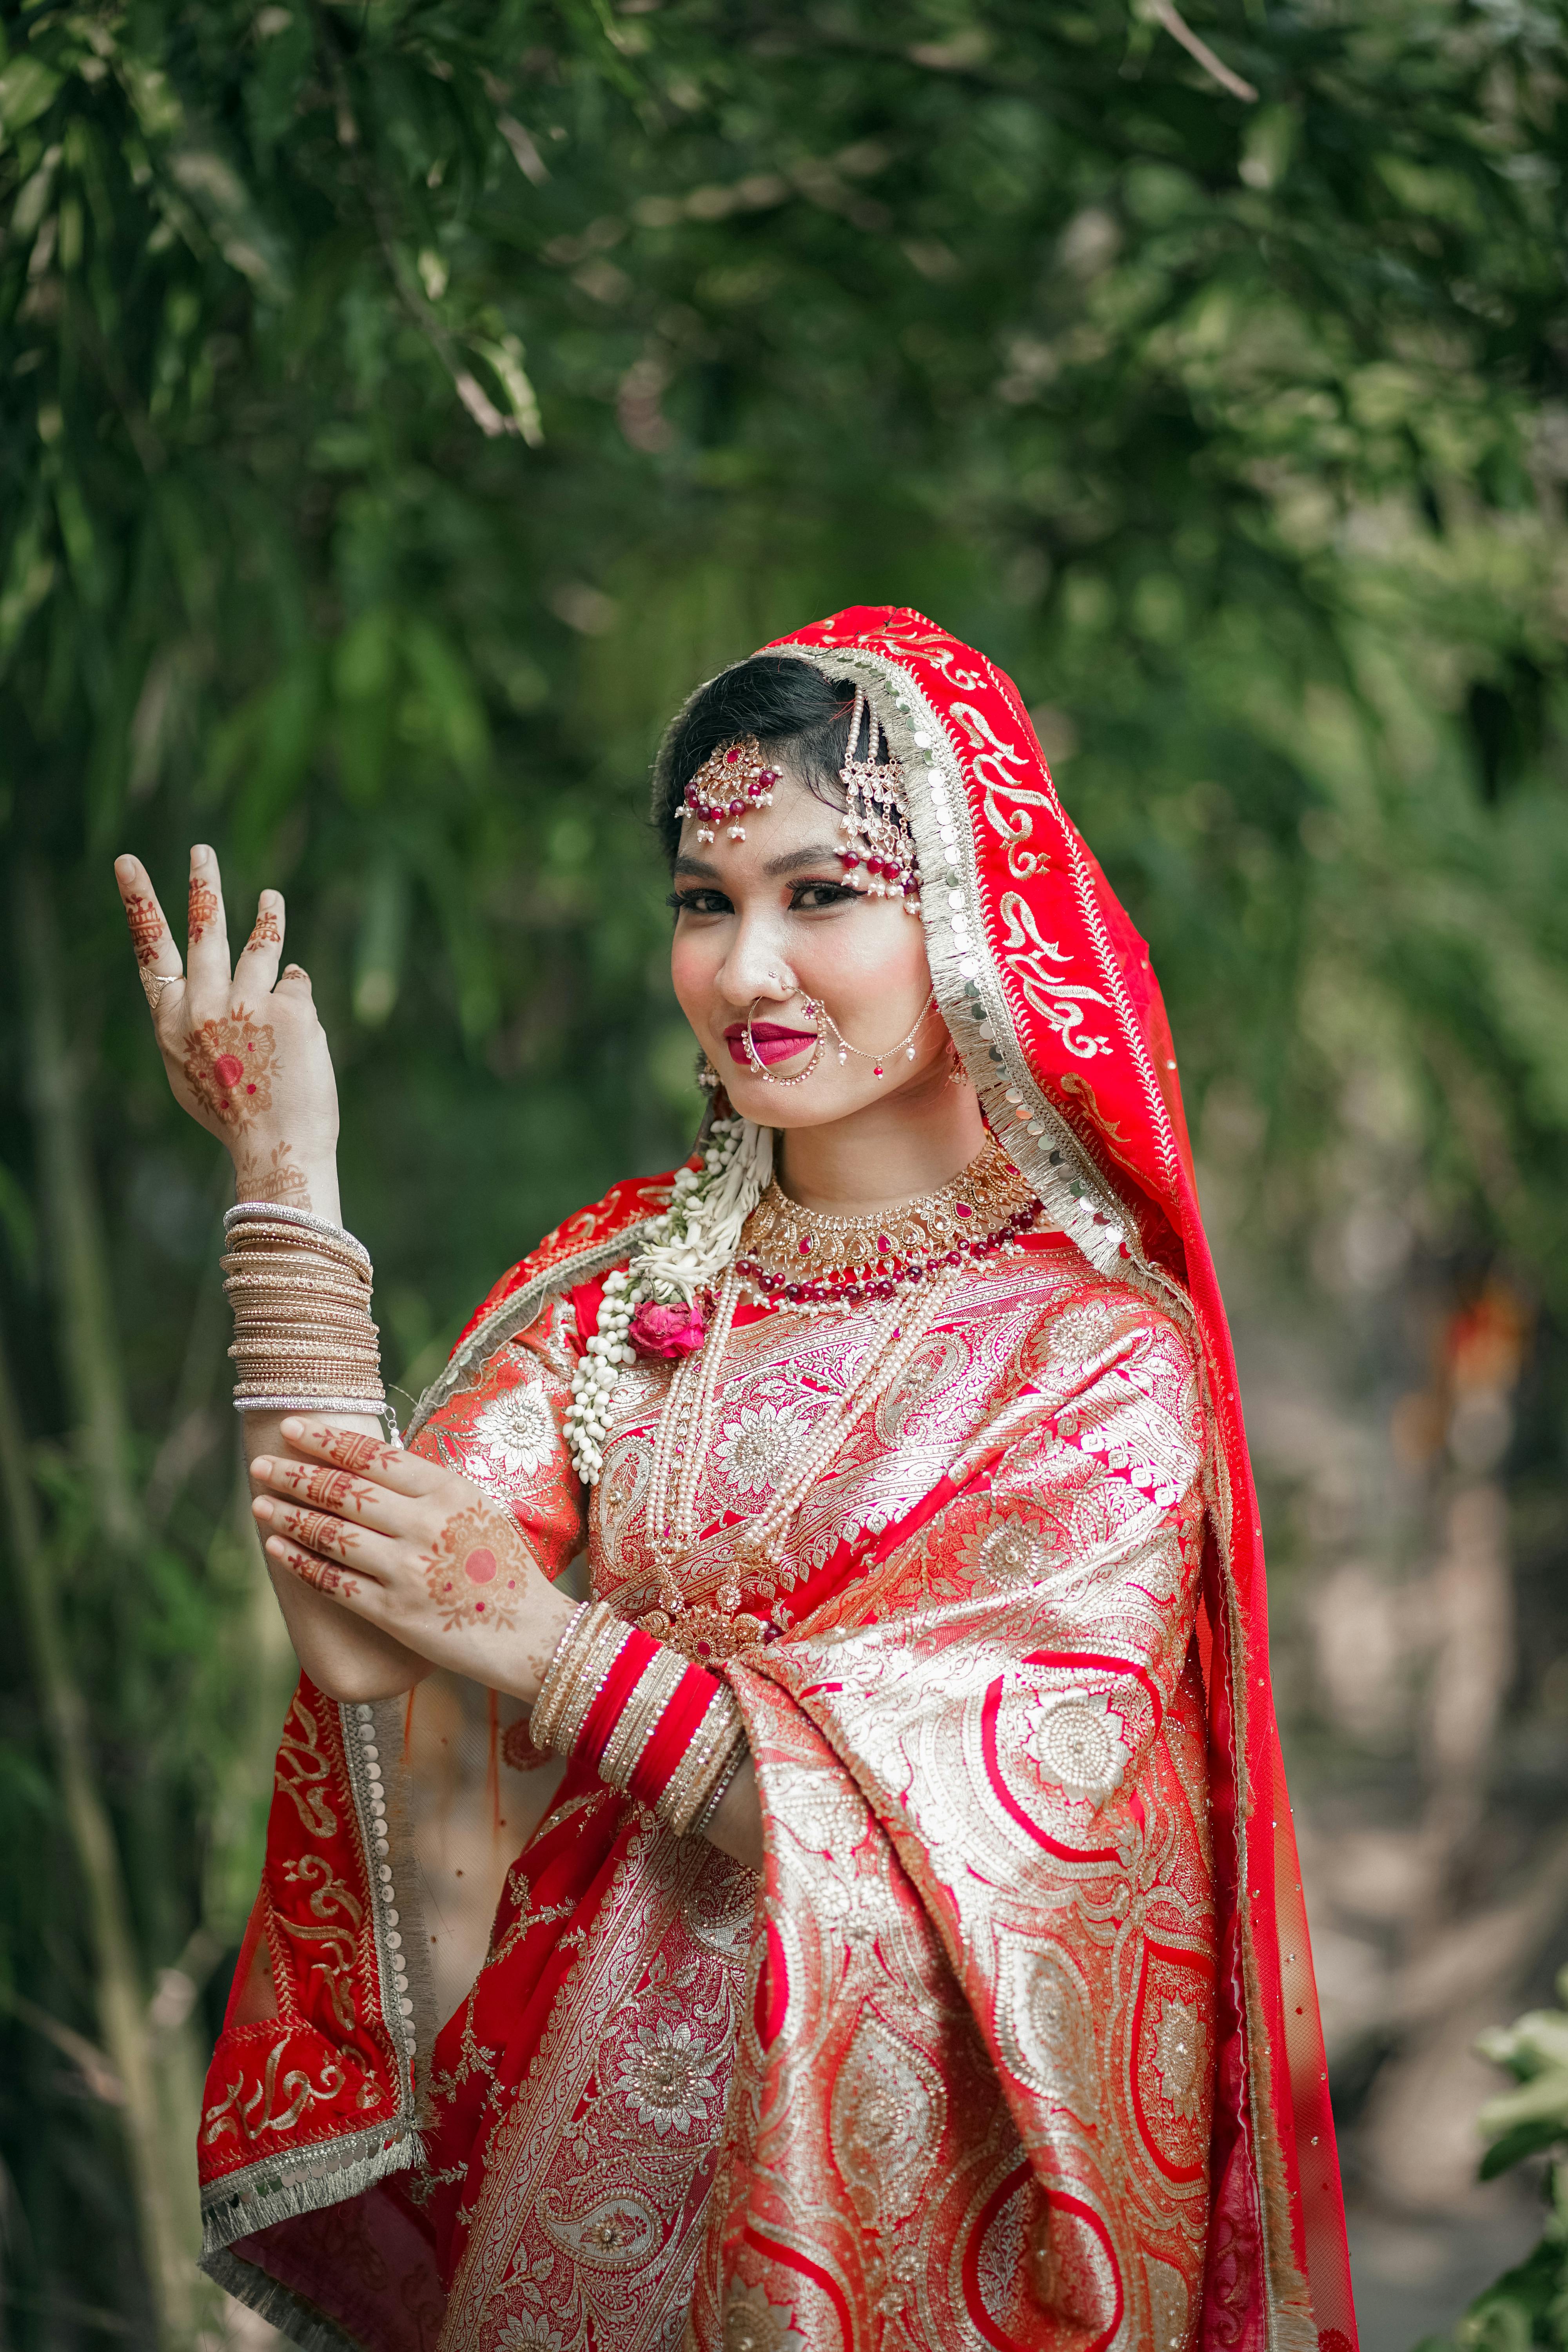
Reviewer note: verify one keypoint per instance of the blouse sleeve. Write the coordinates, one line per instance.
(505, 1433)
(624, 1706)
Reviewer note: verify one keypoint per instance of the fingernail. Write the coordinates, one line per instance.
(262, 1467)
(125, 867)
(292, 1429)
(262, 1507)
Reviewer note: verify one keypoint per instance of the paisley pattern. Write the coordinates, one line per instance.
(1016, 2043)
(976, 1677)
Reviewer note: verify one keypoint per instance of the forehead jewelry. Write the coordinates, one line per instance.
(878, 852)
(813, 1009)
(731, 782)
(905, 1045)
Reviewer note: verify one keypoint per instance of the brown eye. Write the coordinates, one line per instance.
(698, 902)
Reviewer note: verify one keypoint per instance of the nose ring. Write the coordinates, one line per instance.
(814, 1016)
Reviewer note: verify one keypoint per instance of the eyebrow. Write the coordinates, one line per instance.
(792, 862)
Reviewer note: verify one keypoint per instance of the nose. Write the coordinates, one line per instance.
(756, 967)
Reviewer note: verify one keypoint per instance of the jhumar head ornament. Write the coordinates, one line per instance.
(878, 850)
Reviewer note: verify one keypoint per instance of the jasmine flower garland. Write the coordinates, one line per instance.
(688, 1250)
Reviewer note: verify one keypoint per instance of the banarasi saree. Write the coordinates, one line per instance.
(1016, 2043)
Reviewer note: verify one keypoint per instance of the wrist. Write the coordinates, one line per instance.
(551, 1621)
(665, 1731)
(287, 1174)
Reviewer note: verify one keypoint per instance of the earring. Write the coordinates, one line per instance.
(815, 1013)
(707, 1076)
(957, 1075)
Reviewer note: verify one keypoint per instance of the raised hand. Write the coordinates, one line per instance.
(414, 1550)
(244, 1050)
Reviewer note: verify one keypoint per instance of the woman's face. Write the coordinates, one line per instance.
(763, 924)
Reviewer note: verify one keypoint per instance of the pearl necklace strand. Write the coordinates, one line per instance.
(683, 1441)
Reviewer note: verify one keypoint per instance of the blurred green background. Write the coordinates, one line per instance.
(406, 405)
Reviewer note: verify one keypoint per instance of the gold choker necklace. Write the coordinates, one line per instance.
(806, 1258)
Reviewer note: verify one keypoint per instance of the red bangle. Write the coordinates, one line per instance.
(673, 1734)
(638, 1652)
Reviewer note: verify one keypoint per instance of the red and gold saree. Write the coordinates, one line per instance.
(1016, 2043)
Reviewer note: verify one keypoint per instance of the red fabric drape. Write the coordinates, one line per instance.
(1046, 980)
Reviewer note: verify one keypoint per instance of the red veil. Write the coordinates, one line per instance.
(316, 2101)
(1051, 996)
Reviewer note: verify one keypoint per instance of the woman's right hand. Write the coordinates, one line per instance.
(244, 1050)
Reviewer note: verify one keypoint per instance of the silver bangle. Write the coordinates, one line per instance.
(704, 1821)
(244, 1211)
(372, 1408)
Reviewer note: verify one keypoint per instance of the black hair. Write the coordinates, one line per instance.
(787, 704)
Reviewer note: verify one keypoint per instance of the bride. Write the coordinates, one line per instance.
(865, 1911)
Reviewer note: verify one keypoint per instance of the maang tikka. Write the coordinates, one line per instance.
(877, 840)
(731, 781)
(878, 850)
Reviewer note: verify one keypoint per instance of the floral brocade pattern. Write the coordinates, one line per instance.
(983, 1967)
(1017, 2044)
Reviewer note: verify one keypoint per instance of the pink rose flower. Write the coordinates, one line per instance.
(666, 1332)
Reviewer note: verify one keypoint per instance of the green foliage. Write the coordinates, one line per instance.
(409, 403)
(1529, 2305)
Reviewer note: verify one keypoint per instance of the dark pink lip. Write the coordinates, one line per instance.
(773, 1043)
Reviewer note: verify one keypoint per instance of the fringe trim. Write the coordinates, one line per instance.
(279, 2305)
(391, 1874)
(399, 1906)
(284, 2190)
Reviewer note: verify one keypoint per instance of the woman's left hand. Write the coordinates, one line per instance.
(415, 1550)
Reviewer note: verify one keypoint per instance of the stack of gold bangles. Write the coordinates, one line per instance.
(303, 1338)
(666, 1733)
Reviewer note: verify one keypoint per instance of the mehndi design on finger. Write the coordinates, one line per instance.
(228, 1068)
(202, 905)
(353, 1451)
(466, 1583)
(267, 931)
(146, 921)
(277, 1180)
(325, 1575)
(322, 1532)
(334, 1488)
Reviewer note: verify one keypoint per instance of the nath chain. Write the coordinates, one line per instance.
(905, 1045)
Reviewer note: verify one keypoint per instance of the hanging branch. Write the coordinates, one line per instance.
(1175, 24)
(91, 1357)
(166, 2230)
(157, 2068)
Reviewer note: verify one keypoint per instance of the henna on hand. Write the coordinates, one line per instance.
(229, 1067)
(266, 931)
(203, 905)
(469, 1584)
(147, 927)
(335, 1488)
(354, 1452)
(277, 1180)
(324, 1574)
(322, 1532)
